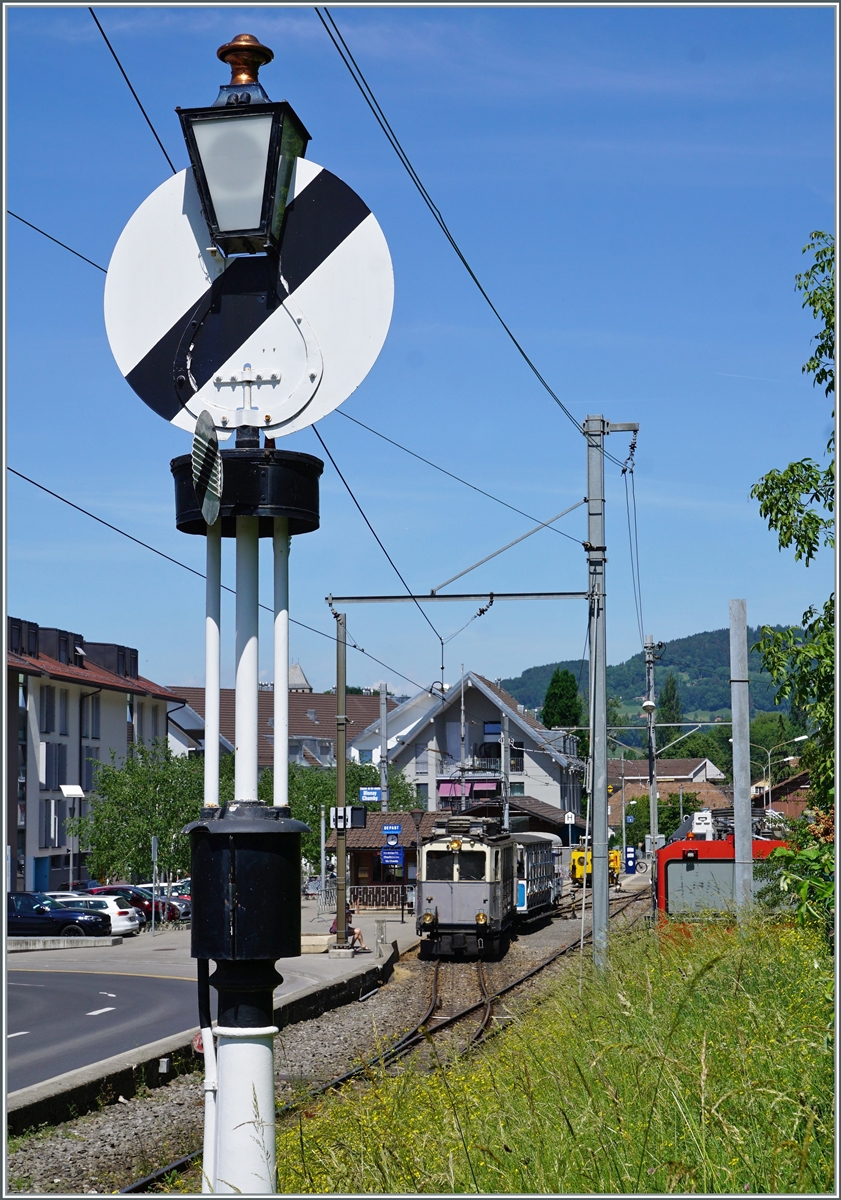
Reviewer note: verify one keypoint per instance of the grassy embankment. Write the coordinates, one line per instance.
(702, 1063)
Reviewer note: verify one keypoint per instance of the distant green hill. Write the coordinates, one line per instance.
(700, 662)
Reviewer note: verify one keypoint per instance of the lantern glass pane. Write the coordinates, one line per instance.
(234, 153)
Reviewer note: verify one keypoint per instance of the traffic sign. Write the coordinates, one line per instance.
(629, 820)
(251, 344)
(370, 795)
(391, 828)
(391, 856)
(569, 818)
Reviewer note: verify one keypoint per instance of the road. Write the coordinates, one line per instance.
(61, 1020)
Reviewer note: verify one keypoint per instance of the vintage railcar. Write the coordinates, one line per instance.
(466, 899)
(539, 878)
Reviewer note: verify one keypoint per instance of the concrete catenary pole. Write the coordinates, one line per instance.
(740, 709)
(384, 746)
(506, 775)
(280, 761)
(341, 789)
(323, 855)
(247, 664)
(212, 643)
(653, 816)
(595, 428)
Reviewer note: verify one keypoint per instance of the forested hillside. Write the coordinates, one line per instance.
(700, 663)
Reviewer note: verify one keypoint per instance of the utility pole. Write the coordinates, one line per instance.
(506, 775)
(323, 855)
(462, 739)
(595, 428)
(740, 708)
(384, 746)
(341, 762)
(649, 707)
(624, 824)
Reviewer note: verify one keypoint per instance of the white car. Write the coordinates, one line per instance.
(124, 919)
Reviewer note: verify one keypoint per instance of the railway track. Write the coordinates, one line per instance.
(426, 1031)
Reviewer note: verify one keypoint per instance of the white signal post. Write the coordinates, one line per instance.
(281, 547)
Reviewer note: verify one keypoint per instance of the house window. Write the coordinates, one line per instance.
(366, 756)
(90, 756)
(517, 789)
(422, 791)
(121, 661)
(140, 714)
(90, 715)
(32, 641)
(326, 749)
(154, 722)
(421, 758)
(493, 729)
(62, 648)
(63, 698)
(46, 722)
(53, 765)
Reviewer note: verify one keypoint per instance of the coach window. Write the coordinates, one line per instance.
(439, 865)
(471, 865)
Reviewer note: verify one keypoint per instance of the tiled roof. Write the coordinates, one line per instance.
(89, 675)
(709, 795)
(509, 700)
(361, 711)
(372, 836)
(673, 768)
(529, 806)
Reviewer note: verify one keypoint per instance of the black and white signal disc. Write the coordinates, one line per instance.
(192, 331)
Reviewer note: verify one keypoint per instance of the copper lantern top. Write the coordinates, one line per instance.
(245, 55)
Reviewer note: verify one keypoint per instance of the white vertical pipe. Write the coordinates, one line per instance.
(247, 679)
(281, 661)
(212, 624)
(740, 715)
(245, 1110)
(208, 1164)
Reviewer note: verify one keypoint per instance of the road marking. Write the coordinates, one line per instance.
(27, 985)
(97, 1011)
(110, 974)
(111, 995)
(23, 1033)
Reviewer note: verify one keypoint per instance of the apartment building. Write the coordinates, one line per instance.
(71, 703)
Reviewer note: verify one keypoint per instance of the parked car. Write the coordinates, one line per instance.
(139, 897)
(181, 903)
(37, 914)
(125, 919)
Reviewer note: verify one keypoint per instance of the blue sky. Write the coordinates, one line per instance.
(633, 185)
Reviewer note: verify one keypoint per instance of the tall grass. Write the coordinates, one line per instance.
(701, 1061)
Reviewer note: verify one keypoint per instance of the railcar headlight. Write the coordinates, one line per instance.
(481, 918)
(428, 918)
(455, 844)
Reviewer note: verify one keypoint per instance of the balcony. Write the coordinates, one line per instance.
(488, 766)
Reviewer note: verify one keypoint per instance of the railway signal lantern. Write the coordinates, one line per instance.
(217, 340)
(243, 150)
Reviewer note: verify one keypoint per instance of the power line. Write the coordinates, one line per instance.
(63, 245)
(193, 571)
(381, 119)
(374, 532)
(457, 478)
(131, 89)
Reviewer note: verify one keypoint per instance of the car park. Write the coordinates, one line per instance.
(35, 914)
(125, 920)
(140, 898)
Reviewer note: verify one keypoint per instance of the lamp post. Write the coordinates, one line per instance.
(804, 737)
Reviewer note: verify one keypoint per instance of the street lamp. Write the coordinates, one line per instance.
(804, 737)
(242, 150)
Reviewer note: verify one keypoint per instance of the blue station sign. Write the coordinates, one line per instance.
(392, 828)
(370, 795)
(391, 856)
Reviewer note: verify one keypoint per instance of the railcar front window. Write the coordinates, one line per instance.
(471, 865)
(440, 865)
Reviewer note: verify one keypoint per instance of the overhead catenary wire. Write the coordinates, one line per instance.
(133, 92)
(370, 99)
(376, 536)
(457, 478)
(63, 245)
(200, 574)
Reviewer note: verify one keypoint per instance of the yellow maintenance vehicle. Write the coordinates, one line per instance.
(581, 863)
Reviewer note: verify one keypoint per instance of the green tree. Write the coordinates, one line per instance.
(798, 505)
(562, 706)
(312, 787)
(668, 812)
(153, 793)
(669, 711)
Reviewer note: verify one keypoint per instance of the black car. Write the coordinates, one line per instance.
(33, 914)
